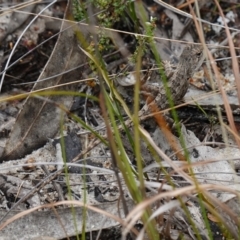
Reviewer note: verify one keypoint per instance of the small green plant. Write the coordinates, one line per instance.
(111, 13)
(79, 10)
(144, 41)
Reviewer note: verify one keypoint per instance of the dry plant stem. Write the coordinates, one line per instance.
(56, 185)
(111, 141)
(236, 75)
(228, 224)
(189, 20)
(21, 5)
(167, 229)
(226, 215)
(232, 51)
(186, 4)
(225, 100)
(19, 189)
(219, 113)
(216, 72)
(60, 222)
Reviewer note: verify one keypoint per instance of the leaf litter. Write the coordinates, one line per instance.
(43, 113)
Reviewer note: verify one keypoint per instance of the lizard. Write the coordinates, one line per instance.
(177, 76)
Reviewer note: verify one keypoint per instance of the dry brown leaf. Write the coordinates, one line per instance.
(213, 218)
